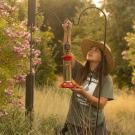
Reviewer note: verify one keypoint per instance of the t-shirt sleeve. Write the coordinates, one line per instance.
(107, 90)
(76, 69)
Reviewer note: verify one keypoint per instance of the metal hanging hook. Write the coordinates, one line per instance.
(105, 19)
(102, 67)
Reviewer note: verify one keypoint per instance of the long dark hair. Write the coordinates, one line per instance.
(85, 70)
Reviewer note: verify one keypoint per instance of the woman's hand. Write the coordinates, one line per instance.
(78, 89)
(67, 26)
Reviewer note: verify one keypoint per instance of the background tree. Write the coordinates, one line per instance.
(129, 54)
(45, 72)
(91, 26)
(14, 44)
(120, 19)
(62, 9)
(14, 54)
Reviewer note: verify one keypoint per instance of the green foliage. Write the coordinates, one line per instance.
(50, 125)
(8, 62)
(45, 73)
(22, 10)
(4, 73)
(15, 37)
(14, 54)
(15, 123)
(121, 15)
(130, 52)
(91, 26)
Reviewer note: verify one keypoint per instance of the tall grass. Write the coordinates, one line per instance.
(52, 101)
(50, 110)
(120, 113)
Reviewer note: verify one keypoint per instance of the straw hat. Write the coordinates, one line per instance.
(87, 44)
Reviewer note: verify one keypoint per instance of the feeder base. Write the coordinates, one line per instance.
(68, 84)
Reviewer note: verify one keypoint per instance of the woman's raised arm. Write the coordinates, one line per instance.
(67, 27)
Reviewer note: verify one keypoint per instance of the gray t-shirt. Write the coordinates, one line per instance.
(81, 112)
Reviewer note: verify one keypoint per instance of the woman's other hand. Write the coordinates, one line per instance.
(67, 26)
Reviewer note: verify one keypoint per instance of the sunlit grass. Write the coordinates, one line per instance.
(51, 106)
(52, 101)
(120, 113)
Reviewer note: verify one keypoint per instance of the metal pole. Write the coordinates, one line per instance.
(30, 77)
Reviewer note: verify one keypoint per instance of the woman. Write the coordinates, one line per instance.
(82, 115)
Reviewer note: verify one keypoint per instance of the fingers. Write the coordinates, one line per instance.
(79, 86)
(67, 21)
(67, 24)
(77, 90)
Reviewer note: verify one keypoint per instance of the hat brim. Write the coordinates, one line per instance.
(86, 46)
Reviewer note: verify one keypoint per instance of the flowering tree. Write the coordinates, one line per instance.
(129, 54)
(14, 54)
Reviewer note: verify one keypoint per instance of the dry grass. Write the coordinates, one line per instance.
(52, 101)
(120, 113)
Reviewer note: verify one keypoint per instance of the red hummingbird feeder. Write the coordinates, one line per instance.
(67, 67)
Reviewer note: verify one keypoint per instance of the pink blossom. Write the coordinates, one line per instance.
(36, 61)
(5, 9)
(36, 53)
(21, 34)
(9, 32)
(16, 103)
(19, 78)
(18, 50)
(8, 92)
